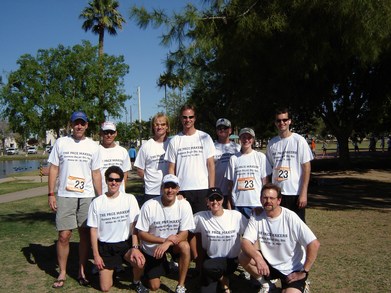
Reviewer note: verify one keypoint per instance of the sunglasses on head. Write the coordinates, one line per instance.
(282, 120)
(169, 185)
(106, 132)
(215, 197)
(114, 179)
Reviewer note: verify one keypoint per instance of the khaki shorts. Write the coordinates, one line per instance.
(72, 212)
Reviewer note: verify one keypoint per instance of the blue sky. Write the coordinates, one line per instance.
(27, 26)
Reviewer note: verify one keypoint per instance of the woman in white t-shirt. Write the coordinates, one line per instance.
(220, 232)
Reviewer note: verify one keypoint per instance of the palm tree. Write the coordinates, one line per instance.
(101, 16)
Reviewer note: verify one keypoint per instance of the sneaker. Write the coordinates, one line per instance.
(180, 289)
(307, 286)
(267, 287)
(173, 266)
(245, 275)
(140, 288)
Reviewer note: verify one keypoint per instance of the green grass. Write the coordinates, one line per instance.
(354, 254)
(18, 185)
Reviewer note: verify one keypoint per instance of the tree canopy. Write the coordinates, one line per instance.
(243, 58)
(100, 16)
(43, 92)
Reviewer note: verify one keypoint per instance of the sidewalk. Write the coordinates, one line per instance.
(18, 195)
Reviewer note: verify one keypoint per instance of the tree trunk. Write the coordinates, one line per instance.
(343, 151)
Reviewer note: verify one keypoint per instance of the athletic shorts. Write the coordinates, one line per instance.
(196, 199)
(113, 253)
(276, 274)
(290, 202)
(72, 212)
(155, 268)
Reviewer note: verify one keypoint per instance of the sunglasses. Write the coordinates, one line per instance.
(282, 120)
(159, 124)
(81, 122)
(106, 132)
(114, 179)
(170, 185)
(222, 128)
(187, 117)
(214, 197)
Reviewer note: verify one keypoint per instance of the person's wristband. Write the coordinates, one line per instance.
(136, 246)
(305, 272)
(51, 194)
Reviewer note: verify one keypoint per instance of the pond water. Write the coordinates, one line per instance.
(16, 166)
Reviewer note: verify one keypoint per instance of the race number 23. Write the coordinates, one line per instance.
(246, 183)
(75, 184)
(282, 173)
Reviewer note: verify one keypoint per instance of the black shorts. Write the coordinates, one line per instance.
(113, 253)
(196, 199)
(155, 268)
(276, 274)
(290, 202)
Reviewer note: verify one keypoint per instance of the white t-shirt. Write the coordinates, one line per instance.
(150, 158)
(220, 234)
(116, 156)
(75, 159)
(113, 217)
(189, 153)
(282, 240)
(222, 155)
(246, 172)
(286, 155)
(162, 221)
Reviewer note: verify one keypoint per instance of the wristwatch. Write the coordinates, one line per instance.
(136, 246)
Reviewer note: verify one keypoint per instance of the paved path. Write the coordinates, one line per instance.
(18, 195)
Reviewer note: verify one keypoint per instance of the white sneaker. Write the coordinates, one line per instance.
(307, 286)
(180, 289)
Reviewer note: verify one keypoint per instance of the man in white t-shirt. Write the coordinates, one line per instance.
(75, 160)
(150, 163)
(112, 154)
(247, 172)
(225, 148)
(163, 227)
(290, 157)
(190, 154)
(277, 244)
(220, 231)
(111, 218)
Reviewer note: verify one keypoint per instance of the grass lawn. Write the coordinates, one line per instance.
(353, 230)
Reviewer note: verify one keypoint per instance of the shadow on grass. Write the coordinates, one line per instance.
(349, 193)
(45, 257)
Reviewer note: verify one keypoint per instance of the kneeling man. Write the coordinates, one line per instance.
(163, 227)
(277, 244)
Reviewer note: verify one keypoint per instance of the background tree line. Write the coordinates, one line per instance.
(241, 59)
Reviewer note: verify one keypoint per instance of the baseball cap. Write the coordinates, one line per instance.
(170, 178)
(79, 115)
(214, 191)
(224, 122)
(247, 130)
(108, 125)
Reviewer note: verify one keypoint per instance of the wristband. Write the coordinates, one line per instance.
(305, 272)
(136, 246)
(51, 194)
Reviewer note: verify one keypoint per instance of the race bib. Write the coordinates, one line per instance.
(246, 183)
(75, 184)
(281, 174)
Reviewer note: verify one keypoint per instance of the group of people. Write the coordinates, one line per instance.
(217, 203)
